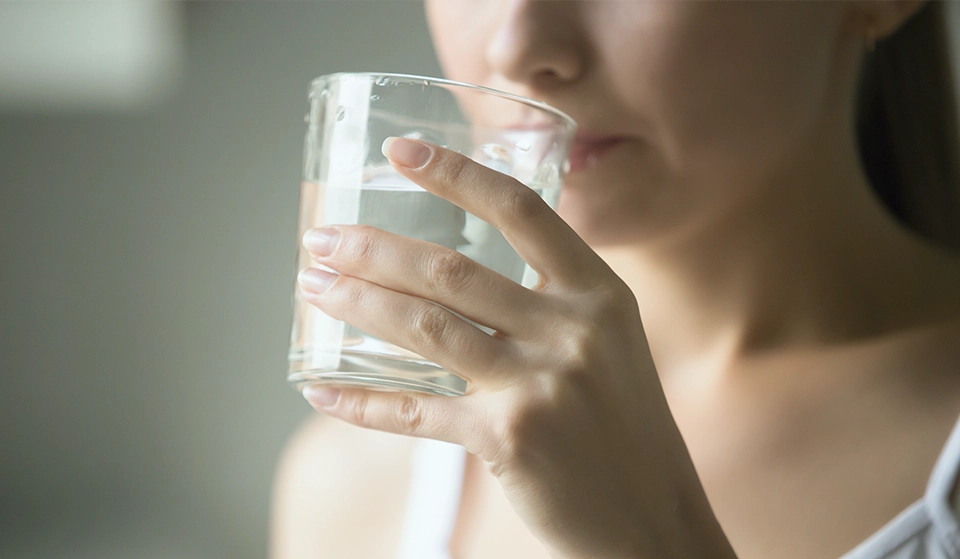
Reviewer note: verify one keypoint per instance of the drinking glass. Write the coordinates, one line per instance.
(347, 180)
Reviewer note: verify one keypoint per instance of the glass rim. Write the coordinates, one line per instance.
(567, 119)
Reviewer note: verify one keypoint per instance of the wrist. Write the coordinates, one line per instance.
(689, 531)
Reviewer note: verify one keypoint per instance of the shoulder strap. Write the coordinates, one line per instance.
(938, 498)
(433, 501)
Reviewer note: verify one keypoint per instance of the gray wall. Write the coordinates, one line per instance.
(146, 269)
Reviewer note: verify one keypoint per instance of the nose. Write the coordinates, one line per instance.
(538, 43)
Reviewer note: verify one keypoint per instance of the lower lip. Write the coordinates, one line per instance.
(585, 155)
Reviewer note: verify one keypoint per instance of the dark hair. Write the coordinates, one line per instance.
(907, 127)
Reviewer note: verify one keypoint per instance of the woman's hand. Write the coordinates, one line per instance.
(563, 403)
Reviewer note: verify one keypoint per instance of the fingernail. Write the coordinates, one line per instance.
(321, 241)
(408, 153)
(314, 280)
(321, 396)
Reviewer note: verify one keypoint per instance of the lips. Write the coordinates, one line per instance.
(589, 148)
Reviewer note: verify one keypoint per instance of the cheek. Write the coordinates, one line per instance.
(722, 95)
(730, 89)
(460, 48)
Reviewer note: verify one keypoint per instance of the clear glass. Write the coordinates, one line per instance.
(347, 180)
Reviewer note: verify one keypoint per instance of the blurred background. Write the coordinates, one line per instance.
(150, 159)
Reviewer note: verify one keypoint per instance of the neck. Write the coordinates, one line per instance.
(817, 260)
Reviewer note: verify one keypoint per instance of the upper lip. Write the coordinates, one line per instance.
(582, 137)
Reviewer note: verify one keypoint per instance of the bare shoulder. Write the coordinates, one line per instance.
(339, 492)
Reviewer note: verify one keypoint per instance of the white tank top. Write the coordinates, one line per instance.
(928, 529)
(434, 499)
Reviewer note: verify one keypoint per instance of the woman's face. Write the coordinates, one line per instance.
(685, 109)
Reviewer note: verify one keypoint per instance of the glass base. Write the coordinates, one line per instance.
(380, 372)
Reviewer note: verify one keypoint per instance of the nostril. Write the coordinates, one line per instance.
(548, 73)
(547, 78)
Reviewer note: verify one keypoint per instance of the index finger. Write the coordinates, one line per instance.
(535, 231)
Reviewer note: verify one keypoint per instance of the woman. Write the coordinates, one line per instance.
(796, 372)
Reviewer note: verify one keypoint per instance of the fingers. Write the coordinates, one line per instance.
(429, 271)
(537, 233)
(411, 323)
(404, 413)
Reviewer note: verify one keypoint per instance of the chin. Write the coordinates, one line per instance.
(604, 219)
(597, 223)
(618, 201)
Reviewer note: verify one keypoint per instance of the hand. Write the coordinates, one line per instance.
(563, 403)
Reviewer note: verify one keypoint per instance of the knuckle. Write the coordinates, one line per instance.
(409, 414)
(620, 297)
(576, 371)
(614, 307)
(594, 330)
(430, 326)
(523, 204)
(603, 308)
(345, 294)
(452, 170)
(584, 345)
(449, 271)
(358, 410)
(362, 244)
(523, 427)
